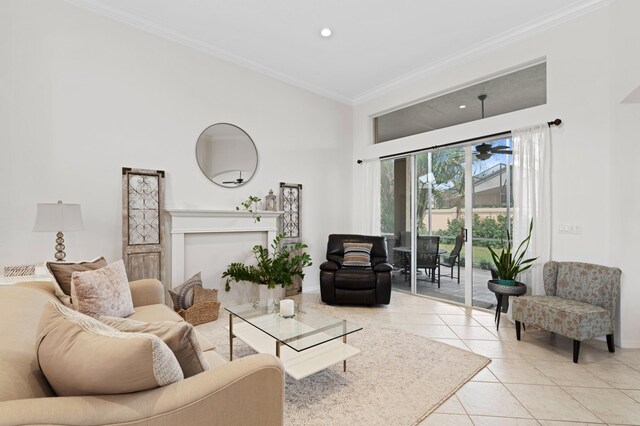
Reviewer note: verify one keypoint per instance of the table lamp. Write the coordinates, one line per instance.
(58, 217)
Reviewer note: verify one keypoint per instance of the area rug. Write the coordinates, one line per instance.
(398, 378)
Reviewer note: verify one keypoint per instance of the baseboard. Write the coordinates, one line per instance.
(630, 344)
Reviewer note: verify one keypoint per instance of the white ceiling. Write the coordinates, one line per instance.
(376, 44)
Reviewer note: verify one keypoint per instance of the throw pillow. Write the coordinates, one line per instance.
(182, 295)
(179, 336)
(357, 254)
(201, 294)
(79, 355)
(102, 292)
(62, 272)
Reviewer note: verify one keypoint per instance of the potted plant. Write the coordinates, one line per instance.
(509, 263)
(274, 268)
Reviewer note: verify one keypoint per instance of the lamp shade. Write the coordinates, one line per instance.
(58, 217)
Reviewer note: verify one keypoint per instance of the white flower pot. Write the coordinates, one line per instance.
(271, 296)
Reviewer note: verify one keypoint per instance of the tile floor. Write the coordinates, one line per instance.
(530, 382)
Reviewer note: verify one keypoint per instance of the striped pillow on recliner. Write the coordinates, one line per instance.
(357, 255)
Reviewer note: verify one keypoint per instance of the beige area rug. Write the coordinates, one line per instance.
(398, 378)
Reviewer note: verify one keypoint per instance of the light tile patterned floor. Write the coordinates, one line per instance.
(530, 382)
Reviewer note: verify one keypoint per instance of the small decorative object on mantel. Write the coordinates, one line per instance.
(509, 264)
(270, 202)
(276, 267)
(251, 205)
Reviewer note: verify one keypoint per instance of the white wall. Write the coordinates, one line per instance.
(83, 96)
(625, 146)
(587, 164)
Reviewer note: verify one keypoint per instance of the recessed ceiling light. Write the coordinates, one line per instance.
(462, 106)
(325, 32)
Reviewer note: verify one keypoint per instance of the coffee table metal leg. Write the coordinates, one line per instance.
(344, 340)
(278, 348)
(231, 336)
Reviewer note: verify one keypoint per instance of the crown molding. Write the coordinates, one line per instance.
(486, 46)
(155, 29)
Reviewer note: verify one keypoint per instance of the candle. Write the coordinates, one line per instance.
(286, 308)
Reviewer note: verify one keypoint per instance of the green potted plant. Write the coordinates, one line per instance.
(509, 263)
(274, 268)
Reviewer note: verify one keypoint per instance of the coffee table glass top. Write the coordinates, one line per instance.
(303, 331)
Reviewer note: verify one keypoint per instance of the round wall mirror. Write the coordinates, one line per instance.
(226, 155)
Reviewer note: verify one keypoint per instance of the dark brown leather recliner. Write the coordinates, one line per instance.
(355, 285)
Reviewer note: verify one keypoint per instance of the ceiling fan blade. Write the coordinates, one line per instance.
(483, 156)
(483, 148)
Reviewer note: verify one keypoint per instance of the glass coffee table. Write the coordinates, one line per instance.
(306, 343)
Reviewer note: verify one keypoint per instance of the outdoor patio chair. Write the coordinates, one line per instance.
(453, 258)
(428, 257)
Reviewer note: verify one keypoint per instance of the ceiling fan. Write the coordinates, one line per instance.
(236, 181)
(485, 150)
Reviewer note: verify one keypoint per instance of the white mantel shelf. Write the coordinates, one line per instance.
(195, 221)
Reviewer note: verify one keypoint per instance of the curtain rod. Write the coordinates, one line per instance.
(555, 122)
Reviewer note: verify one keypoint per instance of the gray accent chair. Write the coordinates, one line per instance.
(580, 303)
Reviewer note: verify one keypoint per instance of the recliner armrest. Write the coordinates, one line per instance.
(329, 266)
(383, 267)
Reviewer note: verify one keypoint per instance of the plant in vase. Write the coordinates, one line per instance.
(509, 263)
(274, 268)
(251, 205)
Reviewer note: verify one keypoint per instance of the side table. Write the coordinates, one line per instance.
(502, 290)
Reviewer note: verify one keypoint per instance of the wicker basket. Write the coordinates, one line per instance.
(200, 312)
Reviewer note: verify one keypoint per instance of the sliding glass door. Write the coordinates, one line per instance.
(492, 212)
(440, 210)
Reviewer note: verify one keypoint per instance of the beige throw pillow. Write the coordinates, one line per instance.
(179, 336)
(102, 292)
(62, 272)
(79, 355)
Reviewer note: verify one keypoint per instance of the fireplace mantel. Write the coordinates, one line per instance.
(194, 221)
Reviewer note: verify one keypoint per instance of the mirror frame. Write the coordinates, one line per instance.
(255, 148)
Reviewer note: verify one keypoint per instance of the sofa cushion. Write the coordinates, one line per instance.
(355, 279)
(179, 336)
(154, 313)
(570, 318)
(62, 272)
(182, 296)
(79, 355)
(104, 291)
(214, 359)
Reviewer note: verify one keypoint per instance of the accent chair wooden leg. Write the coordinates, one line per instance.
(610, 344)
(576, 350)
(518, 330)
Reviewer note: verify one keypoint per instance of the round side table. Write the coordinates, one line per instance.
(505, 290)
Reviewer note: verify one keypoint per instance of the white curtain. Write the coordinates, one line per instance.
(367, 219)
(532, 199)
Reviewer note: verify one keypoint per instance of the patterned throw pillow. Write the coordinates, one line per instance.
(182, 295)
(79, 355)
(104, 291)
(357, 254)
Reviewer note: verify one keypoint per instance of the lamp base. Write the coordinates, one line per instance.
(60, 254)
